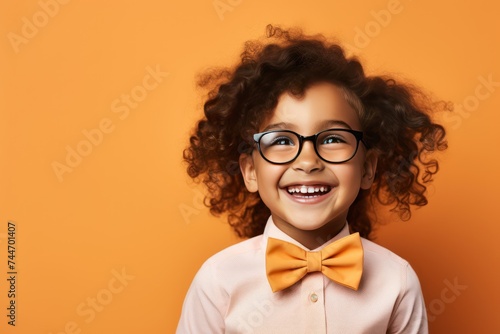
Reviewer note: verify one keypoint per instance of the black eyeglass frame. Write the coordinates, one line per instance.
(313, 138)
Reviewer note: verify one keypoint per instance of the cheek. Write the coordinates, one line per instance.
(348, 175)
(268, 175)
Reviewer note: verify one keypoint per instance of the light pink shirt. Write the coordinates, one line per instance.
(231, 294)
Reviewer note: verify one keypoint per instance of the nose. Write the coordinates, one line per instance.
(308, 161)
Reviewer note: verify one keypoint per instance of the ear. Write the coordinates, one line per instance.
(247, 168)
(369, 169)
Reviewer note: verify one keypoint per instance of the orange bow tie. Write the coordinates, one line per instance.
(341, 261)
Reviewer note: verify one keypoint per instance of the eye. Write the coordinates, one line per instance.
(282, 140)
(333, 139)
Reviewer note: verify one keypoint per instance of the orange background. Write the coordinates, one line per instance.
(127, 208)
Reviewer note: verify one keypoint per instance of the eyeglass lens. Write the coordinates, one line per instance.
(331, 145)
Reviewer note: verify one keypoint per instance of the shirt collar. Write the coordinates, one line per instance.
(272, 231)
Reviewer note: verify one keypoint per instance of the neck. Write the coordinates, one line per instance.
(312, 239)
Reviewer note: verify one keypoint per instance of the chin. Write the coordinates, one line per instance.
(305, 225)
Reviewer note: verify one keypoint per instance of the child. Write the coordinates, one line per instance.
(317, 143)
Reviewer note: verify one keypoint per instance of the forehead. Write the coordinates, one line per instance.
(322, 104)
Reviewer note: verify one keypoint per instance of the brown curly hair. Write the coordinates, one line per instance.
(395, 119)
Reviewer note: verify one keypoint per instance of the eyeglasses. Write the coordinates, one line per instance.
(332, 145)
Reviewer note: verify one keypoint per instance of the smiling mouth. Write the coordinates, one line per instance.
(308, 191)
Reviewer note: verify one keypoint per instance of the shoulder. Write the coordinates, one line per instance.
(390, 277)
(235, 261)
(375, 252)
(208, 297)
(383, 265)
(235, 253)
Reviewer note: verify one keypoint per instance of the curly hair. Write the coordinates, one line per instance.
(395, 120)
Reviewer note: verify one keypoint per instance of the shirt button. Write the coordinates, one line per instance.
(313, 297)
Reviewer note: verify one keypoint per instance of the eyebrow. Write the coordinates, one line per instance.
(335, 122)
(278, 126)
(323, 125)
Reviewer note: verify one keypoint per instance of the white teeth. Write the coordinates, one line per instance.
(308, 189)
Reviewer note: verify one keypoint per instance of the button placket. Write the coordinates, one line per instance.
(312, 292)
